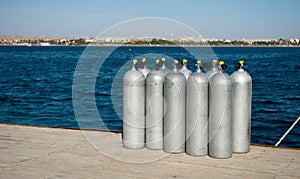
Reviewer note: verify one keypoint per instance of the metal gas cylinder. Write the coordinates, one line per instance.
(184, 70)
(241, 109)
(155, 108)
(197, 113)
(174, 120)
(133, 108)
(220, 123)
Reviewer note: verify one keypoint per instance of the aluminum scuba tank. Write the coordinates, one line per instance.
(184, 70)
(144, 68)
(241, 109)
(133, 109)
(197, 113)
(155, 108)
(213, 69)
(220, 119)
(174, 104)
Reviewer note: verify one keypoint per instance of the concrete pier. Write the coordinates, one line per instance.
(37, 152)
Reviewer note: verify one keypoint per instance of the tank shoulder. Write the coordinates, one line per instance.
(133, 75)
(200, 77)
(175, 75)
(214, 70)
(165, 70)
(145, 71)
(186, 72)
(220, 77)
(155, 74)
(211, 73)
(241, 76)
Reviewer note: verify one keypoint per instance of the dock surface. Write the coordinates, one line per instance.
(37, 152)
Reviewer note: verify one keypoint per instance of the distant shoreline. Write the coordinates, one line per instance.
(111, 45)
(182, 41)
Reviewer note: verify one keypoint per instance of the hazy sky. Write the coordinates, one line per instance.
(232, 19)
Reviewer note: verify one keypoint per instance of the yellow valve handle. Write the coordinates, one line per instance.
(198, 61)
(157, 61)
(163, 59)
(184, 60)
(221, 62)
(144, 60)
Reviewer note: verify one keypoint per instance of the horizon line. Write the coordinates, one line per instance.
(55, 36)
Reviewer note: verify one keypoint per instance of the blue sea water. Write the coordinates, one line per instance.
(36, 85)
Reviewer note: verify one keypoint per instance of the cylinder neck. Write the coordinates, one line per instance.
(198, 68)
(222, 66)
(242, 67)
(214, 64)
(157, 65)
(184, 66)
(133, 66)
(175, 66)
(239, 66)
(214, 67)
(144, 63)
(220, 70)
(163, 65)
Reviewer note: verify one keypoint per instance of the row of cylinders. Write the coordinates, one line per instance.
(180, 111)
